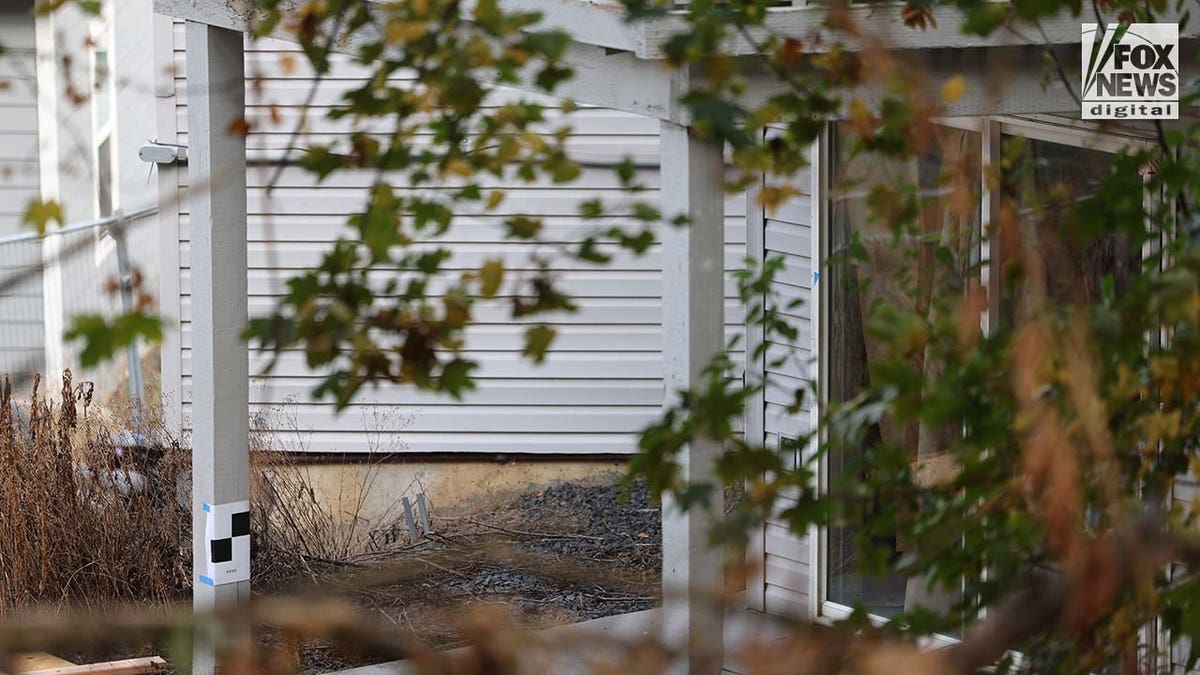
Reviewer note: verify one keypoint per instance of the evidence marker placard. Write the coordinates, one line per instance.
(226, 543)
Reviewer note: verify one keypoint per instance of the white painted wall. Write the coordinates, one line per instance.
(18, 121)
(602, 383)
(80, 265)
(135, 71)
(66, 165)
(783, 585)
(21, 306)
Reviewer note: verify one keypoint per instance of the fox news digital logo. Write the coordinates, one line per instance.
(1131, 71)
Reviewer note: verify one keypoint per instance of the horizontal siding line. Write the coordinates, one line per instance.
(566, 435)
(786, 573)
(803, 345)
(329, 136)
(552, 356)
(465, 409)
(782, 543)
(362, 443)
(449, 404)
(778, 222)
(316, 377)
(785, 602)
(789, 256)
(186, 238)
(799, 287)
(479, 250)
(483, 353)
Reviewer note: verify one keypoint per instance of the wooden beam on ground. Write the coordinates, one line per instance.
(220, 360)
(29, 662)
(139, 666)
(693, 171)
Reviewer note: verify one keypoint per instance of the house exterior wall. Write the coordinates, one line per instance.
(21, 306)
(781, 570)
(136, 74)
(789, 234)
(94, 80)
(598, 387)
(67, 166)
(18, 124)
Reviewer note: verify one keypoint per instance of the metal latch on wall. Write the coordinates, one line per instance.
(162, 153)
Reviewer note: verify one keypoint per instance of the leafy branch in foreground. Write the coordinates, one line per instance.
(1002, 402)
(392, 303)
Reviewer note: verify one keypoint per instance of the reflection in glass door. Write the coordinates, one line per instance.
(916, 268)
(1045, 193)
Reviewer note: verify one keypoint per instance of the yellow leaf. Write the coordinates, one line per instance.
(38, 214)
(457, 167)
(534, 141)
(287, 64)
(494, 199)
(862, 120)
(457, 308)
(538, 339)
(399, 31)
(490, 277)
(772, 196)
(954, 88)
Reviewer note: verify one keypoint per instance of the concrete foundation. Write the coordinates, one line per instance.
(370, 492)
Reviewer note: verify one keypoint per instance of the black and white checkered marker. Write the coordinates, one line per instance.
(226, 543)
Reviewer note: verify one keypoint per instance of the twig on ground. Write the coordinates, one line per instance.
(542, 535)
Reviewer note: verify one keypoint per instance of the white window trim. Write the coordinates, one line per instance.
(1066, 132)
(100, 31)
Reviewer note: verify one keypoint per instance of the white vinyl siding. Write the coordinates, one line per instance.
(18, 120)
(22, 333)
(786, 559)
(598, 387)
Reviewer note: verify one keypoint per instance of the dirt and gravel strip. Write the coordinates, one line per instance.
(562, 554)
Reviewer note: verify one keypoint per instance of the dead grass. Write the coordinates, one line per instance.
(299, 531)
(81, 527)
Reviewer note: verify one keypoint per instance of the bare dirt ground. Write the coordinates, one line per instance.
(570, 552)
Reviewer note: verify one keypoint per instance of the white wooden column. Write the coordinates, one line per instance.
(220, 366)
(693, 332)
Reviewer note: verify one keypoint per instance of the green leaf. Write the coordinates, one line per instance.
(103, 338)
(537, 341)
(591, 208)
(626, 171)
(646, 212)
(523, 227)
(321, 161)
(456, 377)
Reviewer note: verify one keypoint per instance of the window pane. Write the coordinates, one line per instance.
(1048, 185)
(102, 80)
(909, 269)
(104, 178)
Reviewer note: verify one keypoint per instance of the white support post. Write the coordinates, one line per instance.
(693, 172)
(217, 199)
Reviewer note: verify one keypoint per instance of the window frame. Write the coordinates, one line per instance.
(100, 32)
(992, 130)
